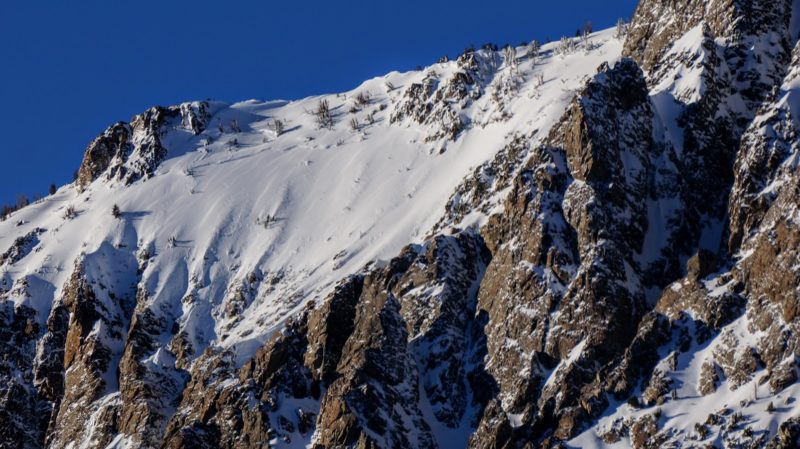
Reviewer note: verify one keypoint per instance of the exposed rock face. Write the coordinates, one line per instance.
(561, 212)
(438, 103)
(131, 151)
(644, 252)
(23, 416)
(22, 246)
(347, 371)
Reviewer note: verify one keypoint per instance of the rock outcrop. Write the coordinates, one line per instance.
(131, 151)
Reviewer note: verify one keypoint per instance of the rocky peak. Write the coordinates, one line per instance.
(658, 24)
(131, 151)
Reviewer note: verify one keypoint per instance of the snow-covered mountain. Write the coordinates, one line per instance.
(592, 243)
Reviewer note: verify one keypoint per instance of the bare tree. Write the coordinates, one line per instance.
(354, 124)
(278, 126)
(363, 99)
(322, 114)
(70, 213)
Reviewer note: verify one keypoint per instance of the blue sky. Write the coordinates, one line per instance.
(69, 69)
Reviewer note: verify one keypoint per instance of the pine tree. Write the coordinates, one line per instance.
(52, 189)
(115, 212)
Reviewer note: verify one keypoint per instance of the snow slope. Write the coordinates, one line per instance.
(339, 200)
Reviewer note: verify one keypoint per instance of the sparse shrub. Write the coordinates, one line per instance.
(565, 46)
(585, 42)
(278, 126)
(371, 118)
(702, 430)
(354, 124)
(70, 213)
(539, 80)
(22, 201)
(322, 114)
(363, 99)
(389, 86)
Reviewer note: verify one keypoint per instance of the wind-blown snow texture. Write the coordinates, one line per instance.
(590, 244)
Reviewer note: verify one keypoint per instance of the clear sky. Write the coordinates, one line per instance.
(69, 69)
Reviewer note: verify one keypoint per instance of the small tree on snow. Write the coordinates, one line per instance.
(235, 126)
(363, 99)
(115, 212)
(622, 29)
(70, 213)
(510, 55)
(539, 80)
(533, 51)
(586, 43)
(322, 115)
(354, 124)
(565, 46)
(278, 126)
